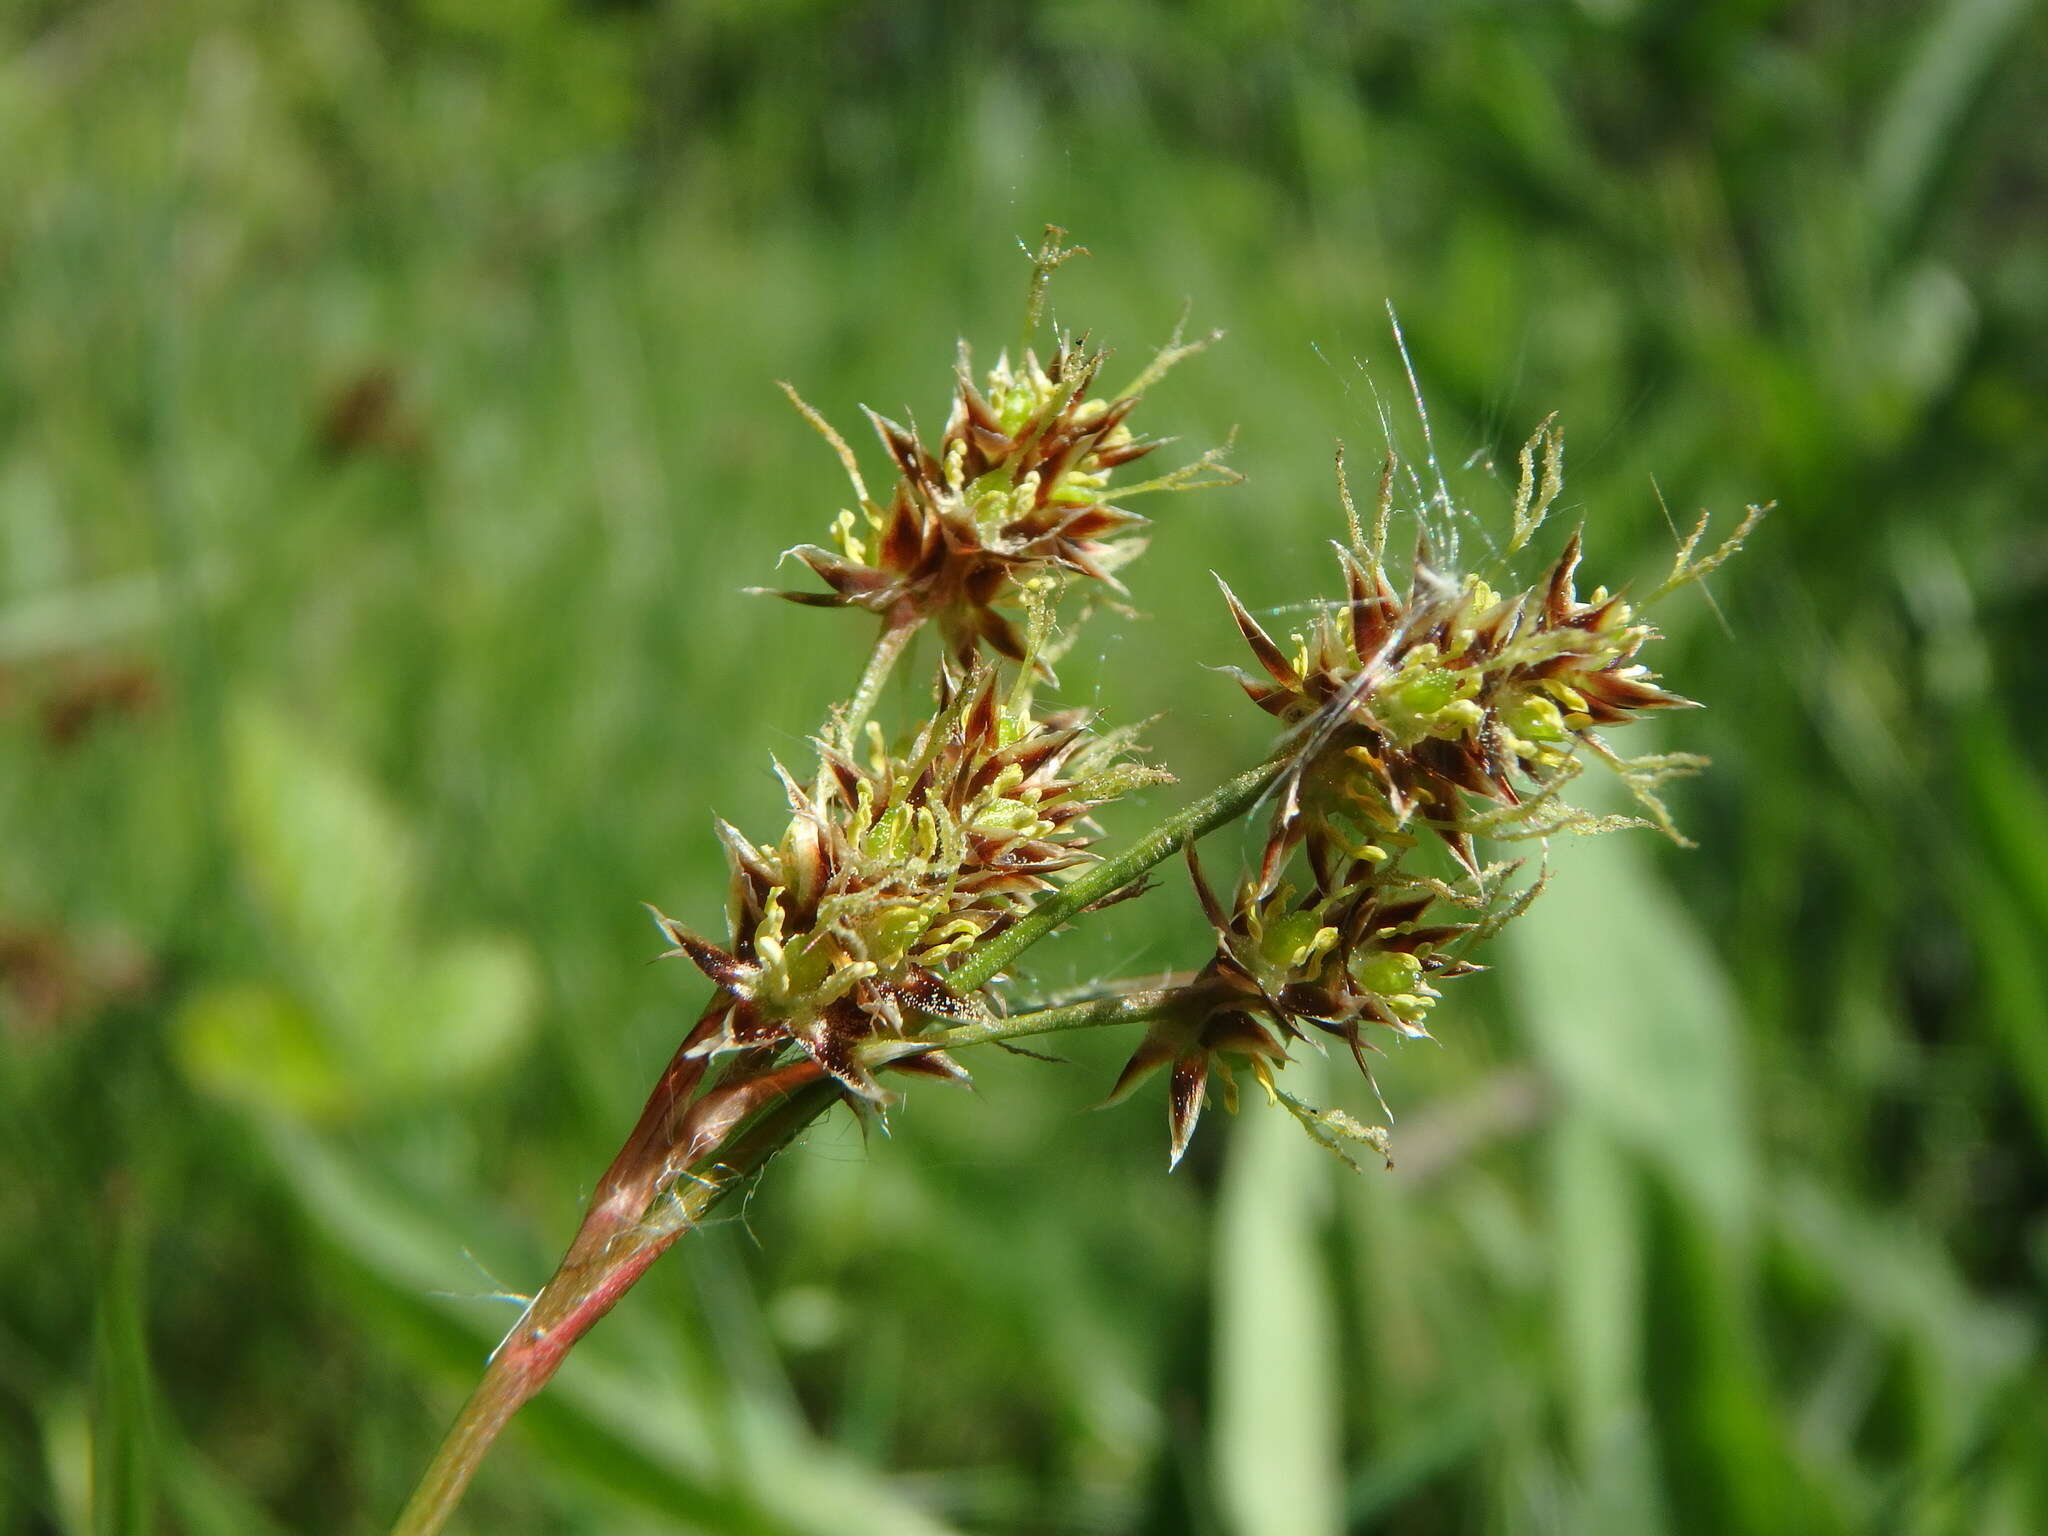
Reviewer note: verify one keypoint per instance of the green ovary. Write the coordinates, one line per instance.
(1392, 973)
(1427, 698)
(893, 930)
(1294, 939)
(1533, 718)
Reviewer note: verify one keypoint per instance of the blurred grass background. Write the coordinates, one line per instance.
(387, 430)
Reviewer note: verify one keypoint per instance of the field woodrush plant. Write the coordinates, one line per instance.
(1425, 716)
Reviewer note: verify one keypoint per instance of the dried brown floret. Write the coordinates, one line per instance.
(1411, 707)
(1018, 489)
(842, 931)
(1330, 963)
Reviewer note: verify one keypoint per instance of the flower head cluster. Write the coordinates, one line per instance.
(1413, 707)
(841, 931)
(1451, 711)
(1332, 963)
(915, 870)
(1017, 488)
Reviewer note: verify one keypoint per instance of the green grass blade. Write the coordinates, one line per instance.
(124, 1454)
(1598, 1230)
(1628, 1007)
(1919, 132)
(1276, 1431)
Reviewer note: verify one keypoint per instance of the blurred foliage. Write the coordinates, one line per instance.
(386, 429)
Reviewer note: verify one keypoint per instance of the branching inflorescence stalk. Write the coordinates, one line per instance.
(1419, 724)
(1218, 808)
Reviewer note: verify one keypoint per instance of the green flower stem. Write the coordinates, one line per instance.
(1140, 1007)
(889, 648)
(890, 645)
(582, 1291)
(1112, 875)
(1127, 1008)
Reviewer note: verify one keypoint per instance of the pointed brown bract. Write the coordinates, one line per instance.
(1202, 1034)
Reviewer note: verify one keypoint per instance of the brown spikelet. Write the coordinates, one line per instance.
(1017, 489)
